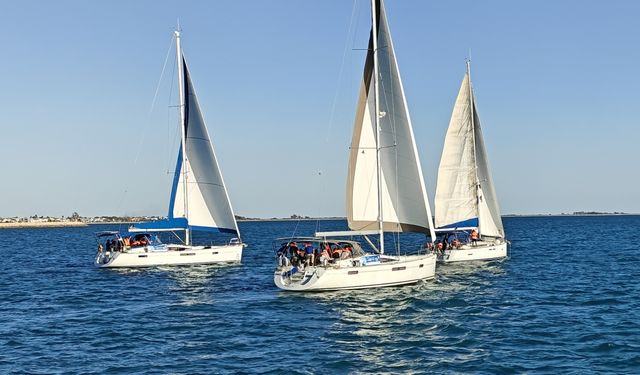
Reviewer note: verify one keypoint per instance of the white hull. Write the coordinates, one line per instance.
(178, 256)
(344, 275)
(482, 251)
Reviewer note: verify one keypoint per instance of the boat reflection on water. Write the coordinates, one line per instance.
(366, 323)
(191, 285)
(195, 285)
(362, 325)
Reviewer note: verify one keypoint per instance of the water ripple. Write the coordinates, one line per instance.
(561, 303)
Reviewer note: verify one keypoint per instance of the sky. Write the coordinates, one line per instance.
(89, 123)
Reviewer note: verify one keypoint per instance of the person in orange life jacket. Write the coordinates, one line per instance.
(474, 237)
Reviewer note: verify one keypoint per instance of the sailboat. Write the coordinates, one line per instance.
(467, 212)
(385, 191)
(199, 201)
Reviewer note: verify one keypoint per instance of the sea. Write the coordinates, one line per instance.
(565, 301)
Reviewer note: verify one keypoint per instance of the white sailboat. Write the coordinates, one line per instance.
(466, 205)
(199, 200)
(385, 189)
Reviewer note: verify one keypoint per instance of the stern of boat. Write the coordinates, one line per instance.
(482, 251)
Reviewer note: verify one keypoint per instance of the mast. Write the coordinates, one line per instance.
(473, 134)
(376, 111)
(180, 64)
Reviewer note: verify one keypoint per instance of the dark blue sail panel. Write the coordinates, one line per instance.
(179, 223)
(215, 230)
(187, 91)
(171, 223)
(470, 223)
(174, 183)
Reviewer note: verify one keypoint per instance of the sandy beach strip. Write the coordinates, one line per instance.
(45, 224)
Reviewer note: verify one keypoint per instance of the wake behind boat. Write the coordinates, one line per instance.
(385, 189)
(198, 202)
(467, 213)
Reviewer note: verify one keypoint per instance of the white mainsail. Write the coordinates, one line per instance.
(404, 202)
(465, 196)
(207, 204)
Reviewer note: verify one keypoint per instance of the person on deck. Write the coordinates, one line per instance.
(455, 243)
(325, 256)
(308, 251)
(474, 237)
(293, 253)
(144, 241)
(346, 252)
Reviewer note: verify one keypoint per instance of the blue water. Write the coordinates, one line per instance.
(566, 301)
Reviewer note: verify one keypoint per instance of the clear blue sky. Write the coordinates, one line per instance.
(556, 82)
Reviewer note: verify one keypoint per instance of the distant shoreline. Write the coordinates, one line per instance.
(80, 224)
(293, 219)
(573, 215)
(45, 224)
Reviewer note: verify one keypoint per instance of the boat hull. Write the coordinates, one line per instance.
(404, 270)
(170, 257)
(467, 252)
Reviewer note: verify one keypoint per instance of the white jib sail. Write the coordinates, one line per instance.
(405, 206)
(208, 205)
(490, 221)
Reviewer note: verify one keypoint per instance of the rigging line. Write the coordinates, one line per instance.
(325, 160)
(164, 67)
(170, 110)
(141, 139)
(178, 237)
(139, 148)
(293, 235)
(340, 74)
